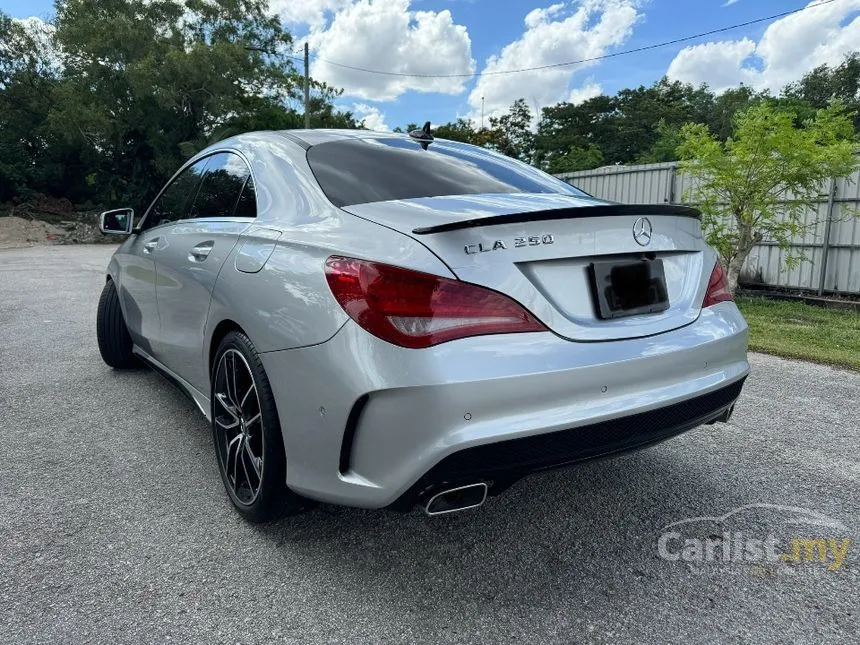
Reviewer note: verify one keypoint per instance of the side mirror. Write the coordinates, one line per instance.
(119, 221)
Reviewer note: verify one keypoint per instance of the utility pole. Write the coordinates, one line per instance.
(482, 113)
(307, 90)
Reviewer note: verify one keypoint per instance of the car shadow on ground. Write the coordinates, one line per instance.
(564, 546)
(579, 535)
(589, 531)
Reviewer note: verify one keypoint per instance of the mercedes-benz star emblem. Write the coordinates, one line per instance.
(642, 231)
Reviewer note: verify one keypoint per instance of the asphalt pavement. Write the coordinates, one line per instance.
(115, 528)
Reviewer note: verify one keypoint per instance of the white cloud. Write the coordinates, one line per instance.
(729, 3)
(722, 62)
(310, 12)
(558, 33)
(537, 16)
(584, 92)
(789, 48)
(373, 117)
(387, 35)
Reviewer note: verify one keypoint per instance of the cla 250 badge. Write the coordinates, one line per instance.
(518, 242)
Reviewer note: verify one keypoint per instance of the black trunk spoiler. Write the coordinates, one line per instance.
(603, 210)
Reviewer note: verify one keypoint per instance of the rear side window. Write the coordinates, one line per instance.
(226, 177)
(174, 203)
(358, 171)
(247, 204)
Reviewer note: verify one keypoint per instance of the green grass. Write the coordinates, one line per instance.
(798, 330)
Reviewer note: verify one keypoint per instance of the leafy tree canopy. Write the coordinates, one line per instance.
(104, 103)
(130, 88)
(758, 183)
(824, 84)
(642, 125)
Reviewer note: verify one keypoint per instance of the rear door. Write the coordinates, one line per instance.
(194, 252)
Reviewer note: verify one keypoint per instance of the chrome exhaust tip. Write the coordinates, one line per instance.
(457, 499)
(724, 416)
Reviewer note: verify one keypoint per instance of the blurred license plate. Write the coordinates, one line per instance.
(629, 288)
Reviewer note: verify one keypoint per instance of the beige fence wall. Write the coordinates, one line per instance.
(833, 250)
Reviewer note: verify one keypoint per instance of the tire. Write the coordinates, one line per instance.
(114, 341)
(246, 433)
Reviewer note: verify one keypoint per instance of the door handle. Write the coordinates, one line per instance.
(201, 251)
(149, 247)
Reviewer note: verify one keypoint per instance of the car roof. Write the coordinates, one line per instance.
(308, 138)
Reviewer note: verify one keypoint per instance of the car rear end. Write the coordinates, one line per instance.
(558, 328)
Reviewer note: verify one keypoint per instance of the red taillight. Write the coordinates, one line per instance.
(718, 287)
(414, 309)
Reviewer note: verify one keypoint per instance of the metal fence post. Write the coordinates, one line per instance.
(672, 174)
(825, 246)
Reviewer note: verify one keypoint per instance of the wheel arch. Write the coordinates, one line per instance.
(112, 273)
(221, 330)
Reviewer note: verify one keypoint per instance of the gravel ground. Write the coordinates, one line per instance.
(114, 526)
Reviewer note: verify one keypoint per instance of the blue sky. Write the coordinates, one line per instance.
(443, 36)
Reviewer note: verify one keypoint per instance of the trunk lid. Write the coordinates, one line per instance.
(538, 248)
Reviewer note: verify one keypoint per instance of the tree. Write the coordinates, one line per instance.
(575, 158)
(823, 84)
(511, 133)
(665, 148)
(105, 102)
(31, 154)
(565, 126)
(743, 185)
(142, 77)
(459, 130)
(625, 128)
(727, 105)
(639, 111)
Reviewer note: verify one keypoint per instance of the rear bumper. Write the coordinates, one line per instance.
(369, 424)
(503, 463)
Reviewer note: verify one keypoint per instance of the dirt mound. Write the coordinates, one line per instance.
(17, 232)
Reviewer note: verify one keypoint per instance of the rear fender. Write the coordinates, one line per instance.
(287, 304)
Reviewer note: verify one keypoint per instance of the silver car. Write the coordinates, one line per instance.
(386, 320)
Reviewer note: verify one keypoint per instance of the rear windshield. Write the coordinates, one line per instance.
(358, 171)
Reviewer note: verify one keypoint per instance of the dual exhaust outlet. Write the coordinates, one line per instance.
(457, 499)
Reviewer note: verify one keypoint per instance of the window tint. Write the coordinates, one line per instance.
(174, 202)
(358, 171)
(247, 204)
(226, 175)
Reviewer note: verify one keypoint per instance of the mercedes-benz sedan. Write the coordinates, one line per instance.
(384, 320)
